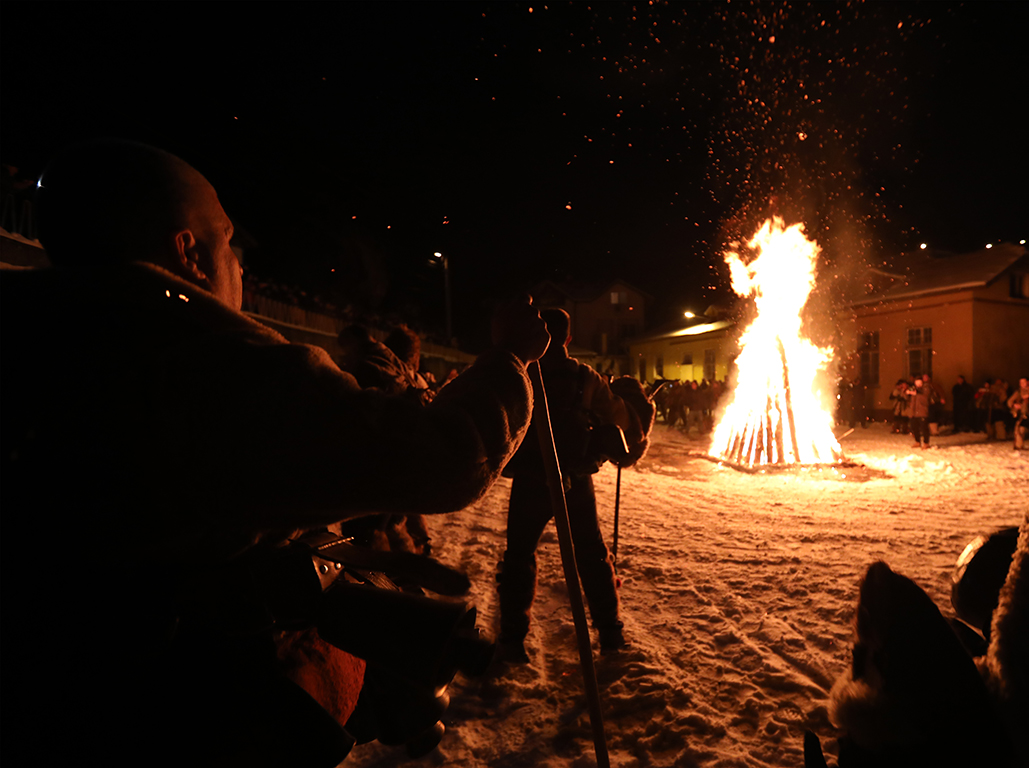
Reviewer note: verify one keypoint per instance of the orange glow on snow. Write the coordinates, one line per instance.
(775, 415)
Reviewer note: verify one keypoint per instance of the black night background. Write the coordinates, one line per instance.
(529, 141)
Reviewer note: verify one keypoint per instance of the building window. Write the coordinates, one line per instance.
(687, 359)
(920, 352)
(643, 369)
(709, 364)
(1020, 285)
(659, 367)
(868, 350)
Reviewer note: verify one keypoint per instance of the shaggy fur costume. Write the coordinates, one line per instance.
(1006, 664)
(913, 696)
(631, 391)
(149, 432)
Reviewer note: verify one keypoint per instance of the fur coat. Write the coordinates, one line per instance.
(913, 695)
(149, 433)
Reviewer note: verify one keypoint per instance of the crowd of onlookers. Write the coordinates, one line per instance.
(310, 308)
(687, 404)
(995, 408)
(919, 406)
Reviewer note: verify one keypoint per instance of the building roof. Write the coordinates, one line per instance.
(924, 272)
(692, 331)
(548, 291)
(18, 251)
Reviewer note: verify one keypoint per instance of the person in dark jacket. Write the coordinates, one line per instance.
(575, 394)
(157, 436)
(936, 403)
(919, 398)
(962, 398)
(984, 404)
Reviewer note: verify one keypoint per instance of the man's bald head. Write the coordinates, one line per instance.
(107, 202)
(111, 202)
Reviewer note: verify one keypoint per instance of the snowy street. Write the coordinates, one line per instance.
(738, 596)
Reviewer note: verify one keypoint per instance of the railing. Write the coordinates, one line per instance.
(291, 314)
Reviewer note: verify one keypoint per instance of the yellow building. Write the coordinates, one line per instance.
(705, 349)
(946, 315)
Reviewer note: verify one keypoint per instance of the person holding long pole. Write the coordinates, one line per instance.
(576, 394)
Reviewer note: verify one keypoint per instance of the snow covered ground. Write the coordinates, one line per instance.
(738, 597)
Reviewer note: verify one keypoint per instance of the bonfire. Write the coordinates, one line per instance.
(776, 414)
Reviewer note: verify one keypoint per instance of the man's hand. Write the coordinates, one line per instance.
(518, 328)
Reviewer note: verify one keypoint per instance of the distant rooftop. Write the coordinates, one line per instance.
(550, 292)
(927, 271)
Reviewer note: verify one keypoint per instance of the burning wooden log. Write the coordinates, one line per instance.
(775, 360)
(789, 400)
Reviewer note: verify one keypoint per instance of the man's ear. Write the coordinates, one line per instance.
(188, 256)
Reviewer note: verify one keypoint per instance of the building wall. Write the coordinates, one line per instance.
(672, 350)
(1001, 335)
(605, 327)
(950, 317)
(978, 334)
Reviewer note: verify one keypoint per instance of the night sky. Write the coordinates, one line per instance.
(526, 141)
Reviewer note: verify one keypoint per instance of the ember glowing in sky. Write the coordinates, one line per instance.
(670, 128)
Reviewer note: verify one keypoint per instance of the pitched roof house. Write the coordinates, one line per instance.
(604, 317)
(944, 314)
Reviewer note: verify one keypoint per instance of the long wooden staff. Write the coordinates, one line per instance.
(618, 497)
(541, 418)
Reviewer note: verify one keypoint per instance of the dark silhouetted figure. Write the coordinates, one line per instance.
(576, 394)
(153, 438)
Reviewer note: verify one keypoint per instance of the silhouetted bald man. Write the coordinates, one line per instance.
(151, 433)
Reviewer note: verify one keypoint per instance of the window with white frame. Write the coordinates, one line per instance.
(919, 351)
(709, 364)
(868, 351)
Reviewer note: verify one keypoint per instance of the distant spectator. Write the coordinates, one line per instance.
(900, 410)
(695, 417)
(936, 403)
(858, 406)
(678, 400)
(997, 427)
(983, 407)
(1018, 404)
(919, 399)
(962, 397)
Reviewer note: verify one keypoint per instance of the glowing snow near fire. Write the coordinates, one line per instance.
(775, 415)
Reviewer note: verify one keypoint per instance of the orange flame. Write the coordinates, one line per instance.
(775, 415)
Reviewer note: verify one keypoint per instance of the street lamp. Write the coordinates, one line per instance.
(446, 287)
